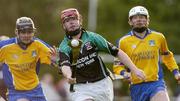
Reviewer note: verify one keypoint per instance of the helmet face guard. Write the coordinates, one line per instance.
(25, 24)
(69, 13)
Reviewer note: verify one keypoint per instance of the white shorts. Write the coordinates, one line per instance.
(98, 91)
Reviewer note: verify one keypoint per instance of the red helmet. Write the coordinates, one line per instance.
(71, 12)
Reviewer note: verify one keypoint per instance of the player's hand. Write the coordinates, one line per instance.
(140, 74)
(177, 77)
(1, 98)
(71, 80)
(54, 55)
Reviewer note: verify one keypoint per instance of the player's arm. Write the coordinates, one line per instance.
(67, 73)
(168, 59)
(119, 67)
(54, 56)
(44, 51)
(127, 62)
(2, 55)
(107, 47)
(48, 54)
(1, 98)
(124, 58)
(64, 67)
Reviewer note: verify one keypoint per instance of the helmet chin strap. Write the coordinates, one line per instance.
(140, 30)
(73, 33)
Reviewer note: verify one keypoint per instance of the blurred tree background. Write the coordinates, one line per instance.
(112, 18)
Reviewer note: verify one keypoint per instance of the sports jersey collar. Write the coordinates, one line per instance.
(21, 44)
(16, 40)
(82, 32)
(148, 31)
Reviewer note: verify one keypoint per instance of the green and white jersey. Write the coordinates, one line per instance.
(90, 66)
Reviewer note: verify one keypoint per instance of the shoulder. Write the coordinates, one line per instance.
(64, 45)
(8, 42)
(91, 34)
(94, 36)
(41, 42)
(125, 38)
(157, 34)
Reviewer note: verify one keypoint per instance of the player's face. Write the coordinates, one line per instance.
(138, 21)
(71, 24)
(26, 36)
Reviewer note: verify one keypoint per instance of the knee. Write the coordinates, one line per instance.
(22, 99)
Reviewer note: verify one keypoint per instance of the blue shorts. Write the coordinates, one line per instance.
(145, 91)
(32, 95)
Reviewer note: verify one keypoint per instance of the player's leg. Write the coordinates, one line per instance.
(159, 92)
(160, 96)
(80, 94)
(22, 99)
(98, 91)
(103, 90)
(139, 92)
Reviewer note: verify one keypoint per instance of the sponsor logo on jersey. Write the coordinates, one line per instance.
(34, 53)
(88, 45)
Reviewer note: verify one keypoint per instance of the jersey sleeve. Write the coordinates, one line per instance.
(64, 59)
(64, 54)
(167, 56)
(105, 46)
(44, 53)
(2, 51)
(2, 55)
